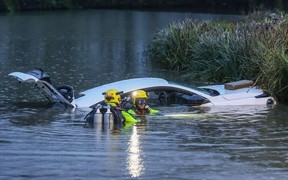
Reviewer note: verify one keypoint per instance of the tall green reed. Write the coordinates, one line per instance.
(255, 48)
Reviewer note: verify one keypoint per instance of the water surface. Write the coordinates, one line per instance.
(89, 48)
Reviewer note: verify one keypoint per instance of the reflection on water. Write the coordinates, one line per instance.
(135, 164)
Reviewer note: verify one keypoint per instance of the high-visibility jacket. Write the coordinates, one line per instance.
(127, 117)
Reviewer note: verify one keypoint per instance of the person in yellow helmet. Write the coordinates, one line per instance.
(139, 104)
(113, 98)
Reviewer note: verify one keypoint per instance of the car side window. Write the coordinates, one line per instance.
(168, 97)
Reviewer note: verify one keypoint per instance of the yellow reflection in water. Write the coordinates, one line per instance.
(134, 162)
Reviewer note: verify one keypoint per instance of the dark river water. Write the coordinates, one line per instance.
(89, 48)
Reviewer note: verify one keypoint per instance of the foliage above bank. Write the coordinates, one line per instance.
(255, 48)
(223, 6)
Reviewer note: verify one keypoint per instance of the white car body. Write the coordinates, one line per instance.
(180, 93)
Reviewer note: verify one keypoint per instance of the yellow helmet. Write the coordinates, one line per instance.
(139, 94)
(112, 96)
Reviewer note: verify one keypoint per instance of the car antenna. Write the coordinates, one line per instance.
(251, 87)
(40, 70)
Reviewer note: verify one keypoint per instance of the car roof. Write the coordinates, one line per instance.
(94, 95)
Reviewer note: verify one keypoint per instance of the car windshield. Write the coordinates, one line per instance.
(194, 87)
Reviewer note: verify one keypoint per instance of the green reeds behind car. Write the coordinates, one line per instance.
(172, 46)
(255, 48)
(273, 67)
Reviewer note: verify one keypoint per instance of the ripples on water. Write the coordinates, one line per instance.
(44, 142)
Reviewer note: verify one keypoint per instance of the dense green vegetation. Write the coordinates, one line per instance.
(255, 48)
(219, 6)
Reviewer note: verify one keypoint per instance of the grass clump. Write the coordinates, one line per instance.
(255, 48)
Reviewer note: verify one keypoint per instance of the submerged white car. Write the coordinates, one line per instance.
(160, 91)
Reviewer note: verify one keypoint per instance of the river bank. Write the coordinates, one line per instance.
(220, 6)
